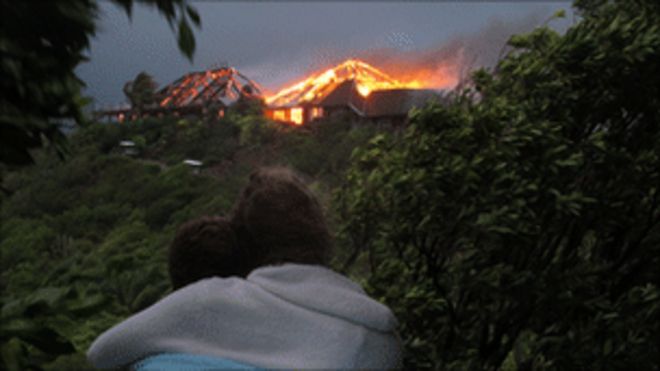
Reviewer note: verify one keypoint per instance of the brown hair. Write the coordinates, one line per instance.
(278, 220)
(202, 248)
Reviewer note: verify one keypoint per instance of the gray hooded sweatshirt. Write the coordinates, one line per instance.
(280, 317)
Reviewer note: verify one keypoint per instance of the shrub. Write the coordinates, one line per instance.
(519, 225)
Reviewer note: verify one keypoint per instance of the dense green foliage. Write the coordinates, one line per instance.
(519, 226)
(83, 241)
(41, 44)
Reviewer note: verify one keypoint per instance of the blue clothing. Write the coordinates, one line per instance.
(188, 362)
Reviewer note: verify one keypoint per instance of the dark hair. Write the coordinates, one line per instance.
(202, 248)
(278, 220)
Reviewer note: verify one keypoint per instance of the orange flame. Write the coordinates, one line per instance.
(366, 77)
(197, 87)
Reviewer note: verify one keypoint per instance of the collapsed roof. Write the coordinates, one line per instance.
(222, 86)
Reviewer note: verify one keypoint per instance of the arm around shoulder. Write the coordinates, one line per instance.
(140, 335)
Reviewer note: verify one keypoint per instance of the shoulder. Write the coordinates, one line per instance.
(156, 328)
(202, 292)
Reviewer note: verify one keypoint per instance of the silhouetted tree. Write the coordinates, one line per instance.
(141, 92)
(41, 44)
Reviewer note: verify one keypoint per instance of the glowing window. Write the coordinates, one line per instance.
(316, 112)
(297, 115)
(279, 115)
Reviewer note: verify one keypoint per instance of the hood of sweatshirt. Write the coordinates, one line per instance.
(288, 316)
(326, 292)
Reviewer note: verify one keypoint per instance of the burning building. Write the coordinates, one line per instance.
(353, 87)
(213, 90)
(200, 94)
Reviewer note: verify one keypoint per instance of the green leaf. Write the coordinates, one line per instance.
(186, 39)
(12, 353)
(45, 299)
(127, 5)
(607, 348)
(194, 16)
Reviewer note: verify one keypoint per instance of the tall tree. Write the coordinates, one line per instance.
(41, 43)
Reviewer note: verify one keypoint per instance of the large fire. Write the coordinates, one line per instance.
(287, 102)
(347, 87)
(366, 77)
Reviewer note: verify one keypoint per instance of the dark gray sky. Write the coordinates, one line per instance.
(275, 43)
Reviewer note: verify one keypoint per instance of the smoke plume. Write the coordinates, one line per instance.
(446, 64)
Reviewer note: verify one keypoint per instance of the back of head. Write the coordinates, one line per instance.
(278, 220)
(202, 248)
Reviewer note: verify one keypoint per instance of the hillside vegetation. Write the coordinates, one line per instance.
(84, 240)
(517, 227)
